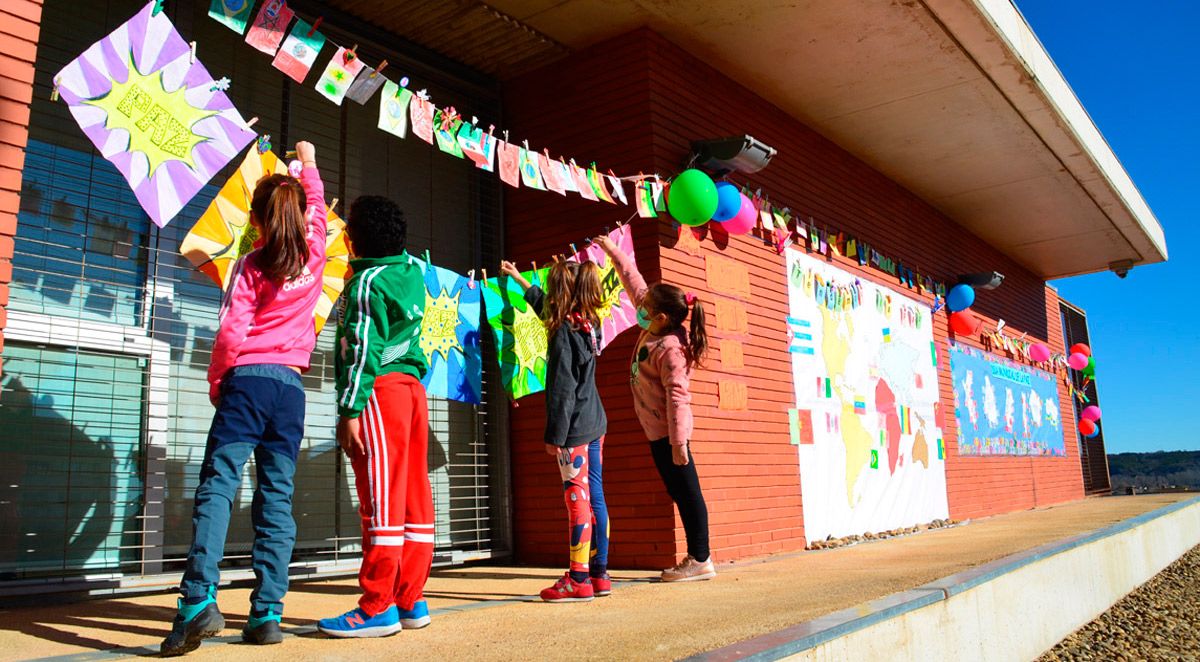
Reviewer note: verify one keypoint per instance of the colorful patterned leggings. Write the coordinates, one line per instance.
(582, 470)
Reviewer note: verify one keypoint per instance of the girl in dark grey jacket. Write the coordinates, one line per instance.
(575, 420)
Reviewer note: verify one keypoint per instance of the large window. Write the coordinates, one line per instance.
(111, 329)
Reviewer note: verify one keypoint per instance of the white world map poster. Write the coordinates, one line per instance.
(864, 369)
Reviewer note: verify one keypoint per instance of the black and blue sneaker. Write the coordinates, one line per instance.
(415, 618)
(263, 630)
(194, 623)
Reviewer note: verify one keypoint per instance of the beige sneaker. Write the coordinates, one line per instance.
(690, 570)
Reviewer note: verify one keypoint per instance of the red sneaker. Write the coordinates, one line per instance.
(602, 586)
(568, 590)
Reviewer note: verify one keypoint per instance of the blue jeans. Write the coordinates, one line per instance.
(261, 412)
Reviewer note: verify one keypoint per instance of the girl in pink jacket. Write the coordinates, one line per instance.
(663, 360)
(265, 340)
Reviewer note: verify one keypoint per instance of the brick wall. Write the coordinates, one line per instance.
(19, 26)
(635, 103)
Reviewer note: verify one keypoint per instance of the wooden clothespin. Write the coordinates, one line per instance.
(427, 256)
(526, 143)
(252, 122)
(533, 264)
(573, 249)
(471, 279)
(316, 24)
(380, 68)
(192, 54)
(333, 204)
(158, 7)
(54, 92)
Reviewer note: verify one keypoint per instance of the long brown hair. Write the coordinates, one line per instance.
(572, 287)
(673, 302)
(278, 205)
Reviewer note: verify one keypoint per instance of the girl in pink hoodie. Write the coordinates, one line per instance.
(663, 360)
(265, 341)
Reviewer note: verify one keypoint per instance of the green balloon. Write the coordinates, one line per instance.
(692, 197)
(1090, 370)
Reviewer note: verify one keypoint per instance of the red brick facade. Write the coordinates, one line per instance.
(19, 26)
(635, 103)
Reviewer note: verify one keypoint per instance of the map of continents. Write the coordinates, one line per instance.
(864, 369)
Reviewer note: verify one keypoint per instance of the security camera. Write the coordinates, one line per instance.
(987, 280)
(744, 154)
(1121, 268)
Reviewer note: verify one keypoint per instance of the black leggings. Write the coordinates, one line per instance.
(684, 487)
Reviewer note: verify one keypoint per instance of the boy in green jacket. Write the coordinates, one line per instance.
(383, 422)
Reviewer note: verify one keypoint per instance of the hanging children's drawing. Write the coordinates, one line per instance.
(520, 334)
(618, 313)
(152, 111)
(450, 335)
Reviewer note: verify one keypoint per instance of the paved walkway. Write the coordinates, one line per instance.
(489, 613)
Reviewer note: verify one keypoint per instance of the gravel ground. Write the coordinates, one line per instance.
(1158, 621)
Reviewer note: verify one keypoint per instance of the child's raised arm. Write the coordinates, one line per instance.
(627, 269)
(509, 269)
(314, 191)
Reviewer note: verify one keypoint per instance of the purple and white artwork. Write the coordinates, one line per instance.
(152, 111)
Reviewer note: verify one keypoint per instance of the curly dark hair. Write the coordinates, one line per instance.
(376, 227)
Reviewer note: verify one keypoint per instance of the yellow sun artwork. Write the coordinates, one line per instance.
(159, 123)
(439, 327)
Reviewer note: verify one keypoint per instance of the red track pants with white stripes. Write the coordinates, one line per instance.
(395, 501)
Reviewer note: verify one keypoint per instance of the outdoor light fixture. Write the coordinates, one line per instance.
(986, 280)
(725, 155)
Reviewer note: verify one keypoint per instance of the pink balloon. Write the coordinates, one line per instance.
(1077, 361)
(744, 220)
(1039, 352)
(1090, 413)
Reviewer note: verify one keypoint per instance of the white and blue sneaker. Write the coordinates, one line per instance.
(357, 623)
(415, 618)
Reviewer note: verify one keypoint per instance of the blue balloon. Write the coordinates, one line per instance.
(960, 297)
(729, 202)
(1094, 433)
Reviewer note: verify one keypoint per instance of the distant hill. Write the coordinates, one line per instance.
(1166, 469)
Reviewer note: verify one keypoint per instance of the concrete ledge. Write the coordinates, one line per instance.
(1014, 608)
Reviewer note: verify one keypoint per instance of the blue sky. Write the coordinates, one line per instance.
(1136, 69)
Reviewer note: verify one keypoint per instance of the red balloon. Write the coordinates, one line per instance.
(1087, 428)
(964, 323)
(1080, 348)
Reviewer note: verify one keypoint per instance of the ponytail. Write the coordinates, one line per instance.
(697, 335)
(278, 205)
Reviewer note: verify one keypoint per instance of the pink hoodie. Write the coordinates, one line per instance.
(660, 377)
(268, 322)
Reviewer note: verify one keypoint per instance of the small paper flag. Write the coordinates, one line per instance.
(582, 183)
(565, 176)
(644, 197)
(338, 75)
(421, 113)
(478, 146)
(531, 171)
(299, 51)
(445, 130)
(393, 108)
(269, 26)
(615, 184)
(597, 182)
(551, 174)
(365, 85)
(510, 170)
(234, 14)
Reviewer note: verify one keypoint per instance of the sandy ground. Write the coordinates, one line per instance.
(492, 616)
